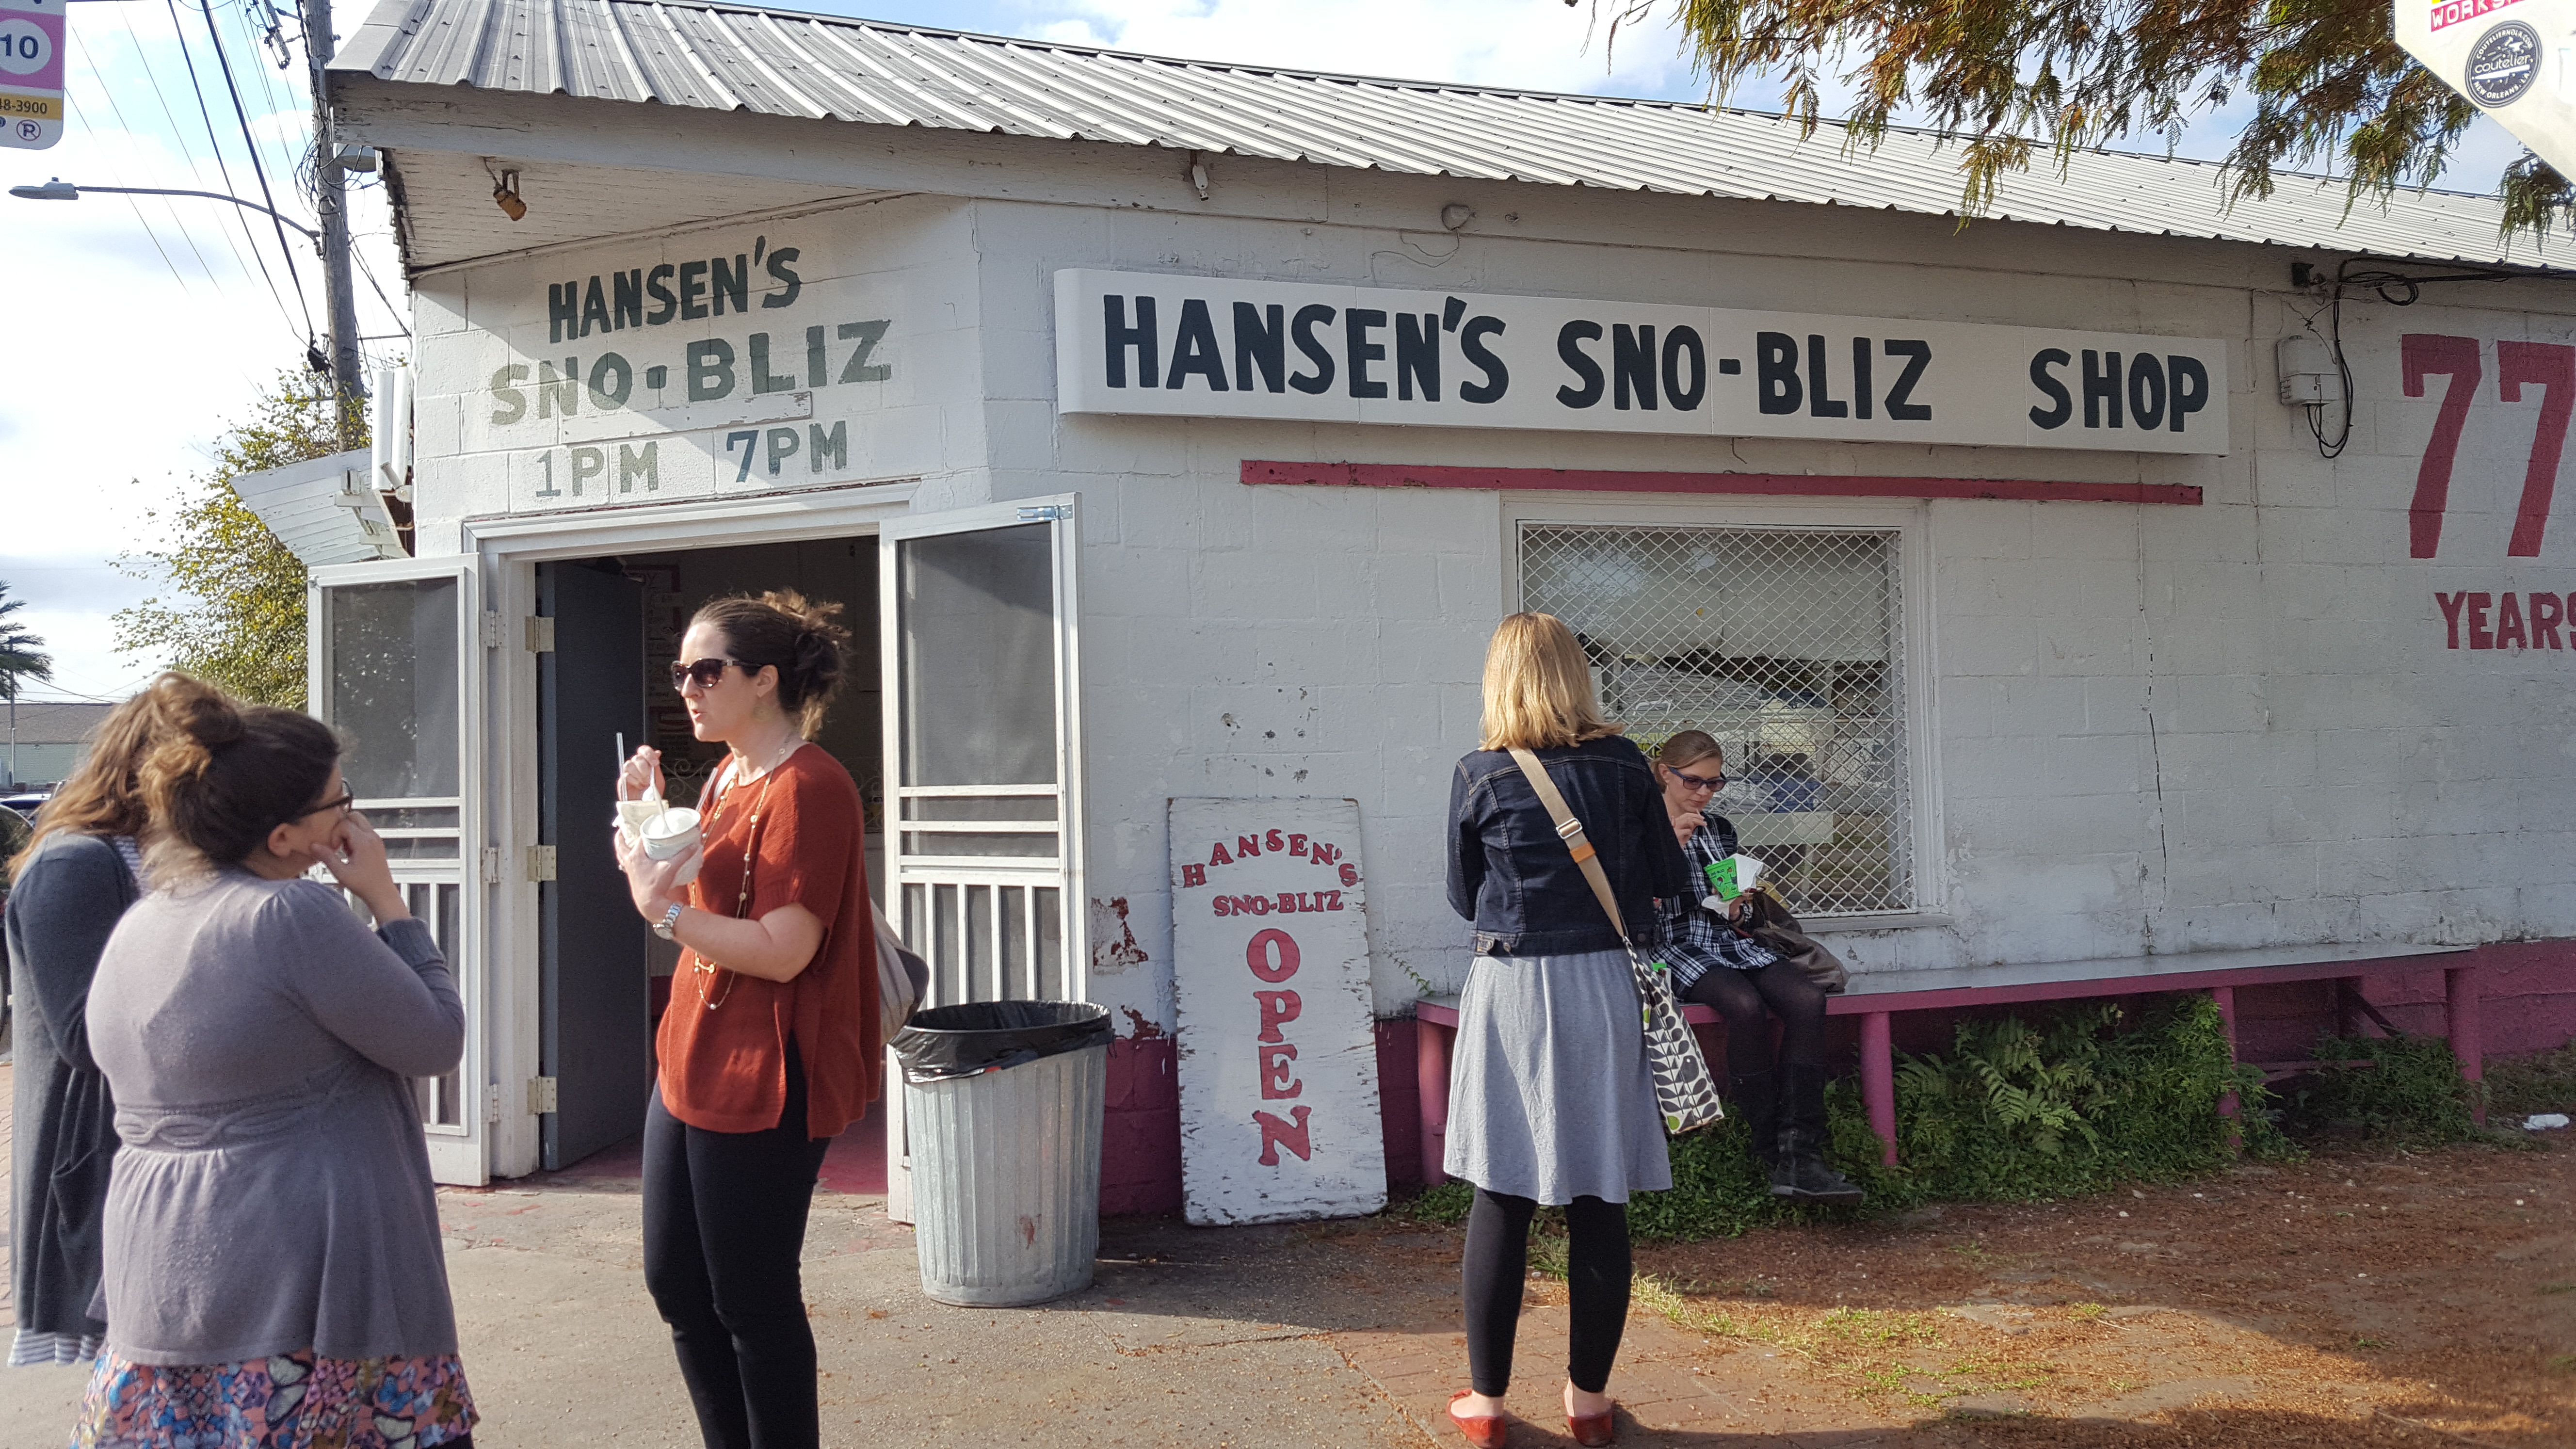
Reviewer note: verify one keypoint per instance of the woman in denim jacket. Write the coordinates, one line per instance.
(1551, 1098)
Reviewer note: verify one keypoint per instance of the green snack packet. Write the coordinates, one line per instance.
(1721, 879)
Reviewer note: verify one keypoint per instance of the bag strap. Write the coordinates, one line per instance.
(1570, 830)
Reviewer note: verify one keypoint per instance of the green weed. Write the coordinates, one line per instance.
(2539, 1082)
(2411, 1091)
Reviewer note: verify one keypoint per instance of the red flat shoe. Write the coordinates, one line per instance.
(1592, 1430)
(1485, 1431)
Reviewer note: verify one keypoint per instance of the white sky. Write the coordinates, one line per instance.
(140, 327)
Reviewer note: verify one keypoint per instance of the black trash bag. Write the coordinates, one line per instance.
(948, 1042)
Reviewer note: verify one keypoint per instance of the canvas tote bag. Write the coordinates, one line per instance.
(1685, 1093)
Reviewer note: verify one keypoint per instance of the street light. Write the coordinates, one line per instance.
(58, 189)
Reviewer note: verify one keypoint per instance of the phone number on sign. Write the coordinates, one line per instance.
(43, 108)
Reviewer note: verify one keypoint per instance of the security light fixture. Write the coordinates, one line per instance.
(505, 195)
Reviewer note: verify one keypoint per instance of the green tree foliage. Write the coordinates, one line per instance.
(232, 610)
(2331, 88)
(22, 655)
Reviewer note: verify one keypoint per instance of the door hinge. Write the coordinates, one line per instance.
(1046, 512)
(491, 865)
(542, 1097)
(541, 863)
(492, 1104)
(491, 629)
(541, 634)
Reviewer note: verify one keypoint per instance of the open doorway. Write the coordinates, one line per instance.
(617, 627)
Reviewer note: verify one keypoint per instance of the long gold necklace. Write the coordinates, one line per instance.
(708, 970)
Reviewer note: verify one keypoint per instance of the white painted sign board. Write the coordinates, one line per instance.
(31, 73)
(1182, 346)
(1278, 1054)
(2515, 58)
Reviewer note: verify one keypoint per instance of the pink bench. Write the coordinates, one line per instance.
(1876, 996)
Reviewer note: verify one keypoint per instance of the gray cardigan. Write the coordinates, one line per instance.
(65, 902)
(273, 1191)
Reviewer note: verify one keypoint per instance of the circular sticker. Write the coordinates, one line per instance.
(2503, 64)
(24, 47)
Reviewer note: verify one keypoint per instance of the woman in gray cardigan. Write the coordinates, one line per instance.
(71, 884)
(272, 1253)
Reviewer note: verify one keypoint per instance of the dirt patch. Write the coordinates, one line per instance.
(2360, 1297)
(2334, 1299)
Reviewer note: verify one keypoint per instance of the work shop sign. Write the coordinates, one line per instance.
(696, 366)
(1278, 1055)
(1174, 346)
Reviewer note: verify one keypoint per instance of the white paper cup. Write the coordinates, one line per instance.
(670, 834)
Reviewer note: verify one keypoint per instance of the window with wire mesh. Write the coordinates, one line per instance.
(1786, 645)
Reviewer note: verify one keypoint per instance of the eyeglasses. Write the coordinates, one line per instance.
(706, 672)
(1696, 782)
(341, 805)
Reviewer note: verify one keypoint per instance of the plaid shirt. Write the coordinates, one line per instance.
(1695, 939)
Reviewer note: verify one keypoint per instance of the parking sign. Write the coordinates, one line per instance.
(31, 73)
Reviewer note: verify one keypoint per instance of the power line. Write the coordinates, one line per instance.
(83, 117)
(242, 114)
(390, 309)
(161, 94)
(212, 140)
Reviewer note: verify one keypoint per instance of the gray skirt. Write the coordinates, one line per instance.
(1549, 1093)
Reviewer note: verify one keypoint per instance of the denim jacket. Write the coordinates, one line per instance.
(1512, 876)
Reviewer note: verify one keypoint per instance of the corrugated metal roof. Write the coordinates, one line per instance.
(780, 63)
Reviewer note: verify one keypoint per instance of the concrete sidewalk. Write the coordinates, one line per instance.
(1335, 1336)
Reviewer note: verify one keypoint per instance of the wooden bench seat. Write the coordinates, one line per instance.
(1876, 996)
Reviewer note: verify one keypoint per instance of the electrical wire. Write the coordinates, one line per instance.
(390, 309)
(2397, 289)
(143, 59)
(224, 63)
(167, 204)
(79, 114)
(239, 216)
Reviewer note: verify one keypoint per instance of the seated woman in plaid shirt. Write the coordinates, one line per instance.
(1740, 979)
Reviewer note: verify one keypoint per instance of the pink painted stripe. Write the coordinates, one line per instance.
(1776, 485)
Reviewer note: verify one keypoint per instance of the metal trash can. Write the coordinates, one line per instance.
(1003, 1103)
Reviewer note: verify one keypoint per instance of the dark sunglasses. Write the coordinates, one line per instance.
(1696, 782)
(706, 672)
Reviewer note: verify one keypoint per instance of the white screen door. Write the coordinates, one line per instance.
(396, 667)
(984, 843)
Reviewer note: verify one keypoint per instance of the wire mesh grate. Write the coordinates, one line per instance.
(1785, 644)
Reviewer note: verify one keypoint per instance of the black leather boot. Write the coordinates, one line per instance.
(1801, 1172)
(1757, 1099)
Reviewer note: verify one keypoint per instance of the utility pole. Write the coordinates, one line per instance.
(330, 202)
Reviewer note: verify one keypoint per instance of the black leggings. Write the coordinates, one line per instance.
(1497, 1265)
(1740, 997)
(724, 1226)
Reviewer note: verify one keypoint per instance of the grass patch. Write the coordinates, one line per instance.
(2411, 1093)
(2519, 1086)
(1445, 1206)
(2086, 1100)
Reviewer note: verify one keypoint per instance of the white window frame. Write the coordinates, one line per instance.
(1911, 522)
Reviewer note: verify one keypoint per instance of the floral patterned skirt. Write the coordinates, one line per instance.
(292, 1401)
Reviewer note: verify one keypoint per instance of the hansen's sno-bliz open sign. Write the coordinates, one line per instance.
(1277, 1052)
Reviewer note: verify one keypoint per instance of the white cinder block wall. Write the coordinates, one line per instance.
(2150, 728)
(2145, 727)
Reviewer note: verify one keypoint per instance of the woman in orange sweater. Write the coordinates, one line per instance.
(767, 1049)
